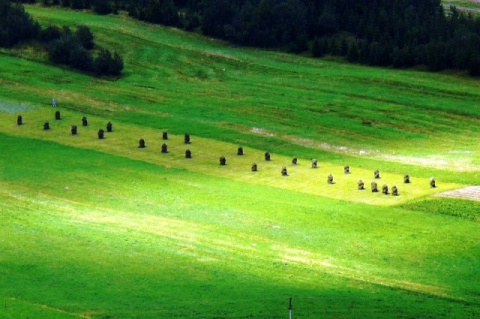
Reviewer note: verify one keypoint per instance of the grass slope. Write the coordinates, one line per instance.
(101, 229)
(466, 5)
(164, 241)
(178, 81)
(302, 178)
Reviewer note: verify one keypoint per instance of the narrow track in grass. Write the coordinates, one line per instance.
(195, 241)
(470, 192)
(13, 306)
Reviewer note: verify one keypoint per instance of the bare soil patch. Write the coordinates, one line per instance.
(471, 192)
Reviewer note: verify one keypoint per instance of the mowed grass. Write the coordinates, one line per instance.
(124, 141)
(182, 81)
(102, 229)
(133, 239)
(470, 5)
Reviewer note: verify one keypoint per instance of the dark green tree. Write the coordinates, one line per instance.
(353, 54)
(85, 36)
(77, 4)
(327, 22)
(80, 58)
(16, 25)
(319, 47)
(436, 56)
(102, 6)
(474, 65)
(107, 64)
(50, 34)
(216, 15)
(60, 49)
(278, 23)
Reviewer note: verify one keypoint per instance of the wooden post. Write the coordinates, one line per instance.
(290, 309)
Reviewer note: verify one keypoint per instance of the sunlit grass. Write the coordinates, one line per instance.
(315, 100)
(303, 178)
(174, 231)
(102, 229)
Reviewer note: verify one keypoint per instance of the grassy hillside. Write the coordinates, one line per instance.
(102, 229)
(467, 5)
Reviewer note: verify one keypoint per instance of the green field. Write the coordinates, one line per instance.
(101, 229)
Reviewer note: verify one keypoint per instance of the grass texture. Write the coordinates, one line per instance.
(102, 229)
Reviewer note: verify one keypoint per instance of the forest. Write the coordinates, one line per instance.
(398, 33)
(75, 49)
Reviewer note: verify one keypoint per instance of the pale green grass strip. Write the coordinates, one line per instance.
(206, 152)
(14, 308)
(245, 250)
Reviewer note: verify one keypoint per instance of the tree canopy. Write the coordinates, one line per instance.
(398, 33)
(15, 24)
(74, 49)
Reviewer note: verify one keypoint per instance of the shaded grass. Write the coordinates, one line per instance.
(467, 209)
(102, 229)
(186, 243)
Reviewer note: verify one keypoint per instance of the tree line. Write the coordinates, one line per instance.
(398, 33)
(64, 46)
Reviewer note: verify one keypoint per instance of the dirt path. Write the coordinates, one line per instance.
(471, 192)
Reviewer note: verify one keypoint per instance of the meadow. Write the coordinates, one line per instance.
(95, 228)
(468, 5)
